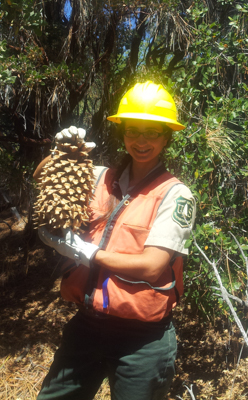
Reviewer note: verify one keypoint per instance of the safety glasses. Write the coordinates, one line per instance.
(149, 134)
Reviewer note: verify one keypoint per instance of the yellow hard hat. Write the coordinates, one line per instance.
(148, 101)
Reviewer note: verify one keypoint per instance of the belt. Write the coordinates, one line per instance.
(94, 315)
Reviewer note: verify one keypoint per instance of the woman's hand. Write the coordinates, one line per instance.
(71, 246)
(72, 135)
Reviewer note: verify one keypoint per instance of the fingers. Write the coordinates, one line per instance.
(59, 137)
(70, 134)
(74, 135)
(81, 133)
(89, 146)
(73, 130)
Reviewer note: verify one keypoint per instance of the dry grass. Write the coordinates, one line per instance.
(33, 316)
(222, 144)
(31, 332)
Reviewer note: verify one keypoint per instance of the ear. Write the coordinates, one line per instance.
(165, 142)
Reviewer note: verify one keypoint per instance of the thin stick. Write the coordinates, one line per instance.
(229, 273)
(245, 259)
(190, 390)
(223, 292)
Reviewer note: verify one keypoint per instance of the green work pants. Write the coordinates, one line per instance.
(138, 362)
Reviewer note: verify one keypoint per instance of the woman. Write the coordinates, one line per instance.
(126, 273)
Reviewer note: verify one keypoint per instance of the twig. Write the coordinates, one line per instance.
(224, 291)
(24, 353)
(192, 134)
(4, 222)
(226, 255)
(229, 272)
(245, 259)
(235, 298)
(56, 266)
(190, 390)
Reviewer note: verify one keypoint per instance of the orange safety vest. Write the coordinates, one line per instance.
(126, 232)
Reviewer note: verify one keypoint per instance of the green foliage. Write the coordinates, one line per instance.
(19, 15)
(212, 153)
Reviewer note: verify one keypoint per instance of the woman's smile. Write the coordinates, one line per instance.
(142, 151)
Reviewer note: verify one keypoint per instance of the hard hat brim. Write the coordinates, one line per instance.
(175, 126)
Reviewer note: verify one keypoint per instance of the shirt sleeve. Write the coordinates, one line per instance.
(174, 220)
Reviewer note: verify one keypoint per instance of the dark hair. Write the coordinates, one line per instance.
(113, 200)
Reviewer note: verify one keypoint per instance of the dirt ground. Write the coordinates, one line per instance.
(32, 317)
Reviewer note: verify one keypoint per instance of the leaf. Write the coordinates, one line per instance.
(204, 197)
(188, 243)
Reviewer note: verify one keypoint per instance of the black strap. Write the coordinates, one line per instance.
(157, 288)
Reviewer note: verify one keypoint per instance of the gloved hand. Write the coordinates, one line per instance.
(71, 246)
(73, 135)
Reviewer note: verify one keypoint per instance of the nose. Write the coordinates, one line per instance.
(141, 139)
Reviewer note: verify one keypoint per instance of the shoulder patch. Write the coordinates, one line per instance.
(183, 212)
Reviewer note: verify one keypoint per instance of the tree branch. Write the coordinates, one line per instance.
(135, 45)
(190, 390)
(235, 298)
(245, 259)
(223, 292)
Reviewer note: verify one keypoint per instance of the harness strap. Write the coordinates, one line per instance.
(159, 289)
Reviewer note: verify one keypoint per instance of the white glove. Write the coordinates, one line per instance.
(74, 135)
(70, 246)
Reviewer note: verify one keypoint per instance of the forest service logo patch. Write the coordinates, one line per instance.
(183, 212)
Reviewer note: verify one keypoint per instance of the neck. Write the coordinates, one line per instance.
(140, 170)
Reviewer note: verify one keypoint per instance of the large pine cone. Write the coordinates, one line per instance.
(65, 185)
